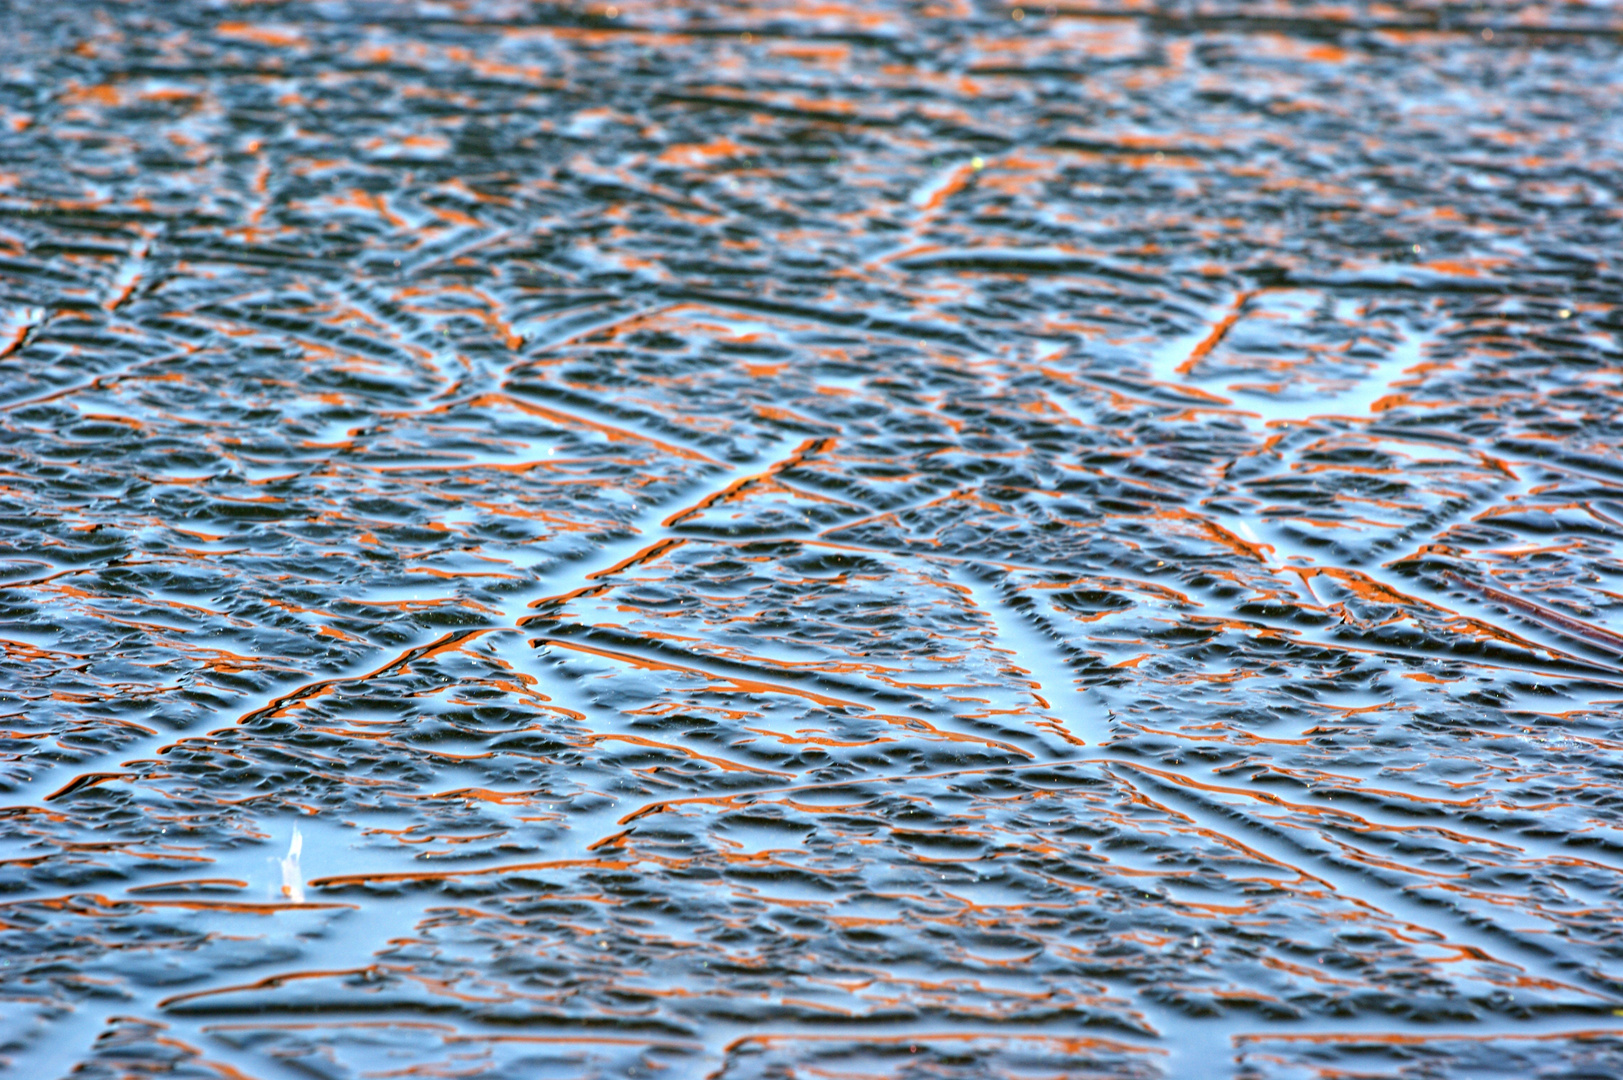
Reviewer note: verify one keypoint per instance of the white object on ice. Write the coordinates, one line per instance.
(292, 878)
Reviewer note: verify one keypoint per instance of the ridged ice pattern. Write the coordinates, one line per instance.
(862, 539)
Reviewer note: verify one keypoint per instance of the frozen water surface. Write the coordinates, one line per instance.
(780, 539)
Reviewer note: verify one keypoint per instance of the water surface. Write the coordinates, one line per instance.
(878, 539)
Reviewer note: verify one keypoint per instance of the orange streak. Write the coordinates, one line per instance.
(1219, 332)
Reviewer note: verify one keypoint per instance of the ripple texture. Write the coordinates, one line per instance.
(884, 539)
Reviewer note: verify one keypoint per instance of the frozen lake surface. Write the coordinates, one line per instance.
(852, 539)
